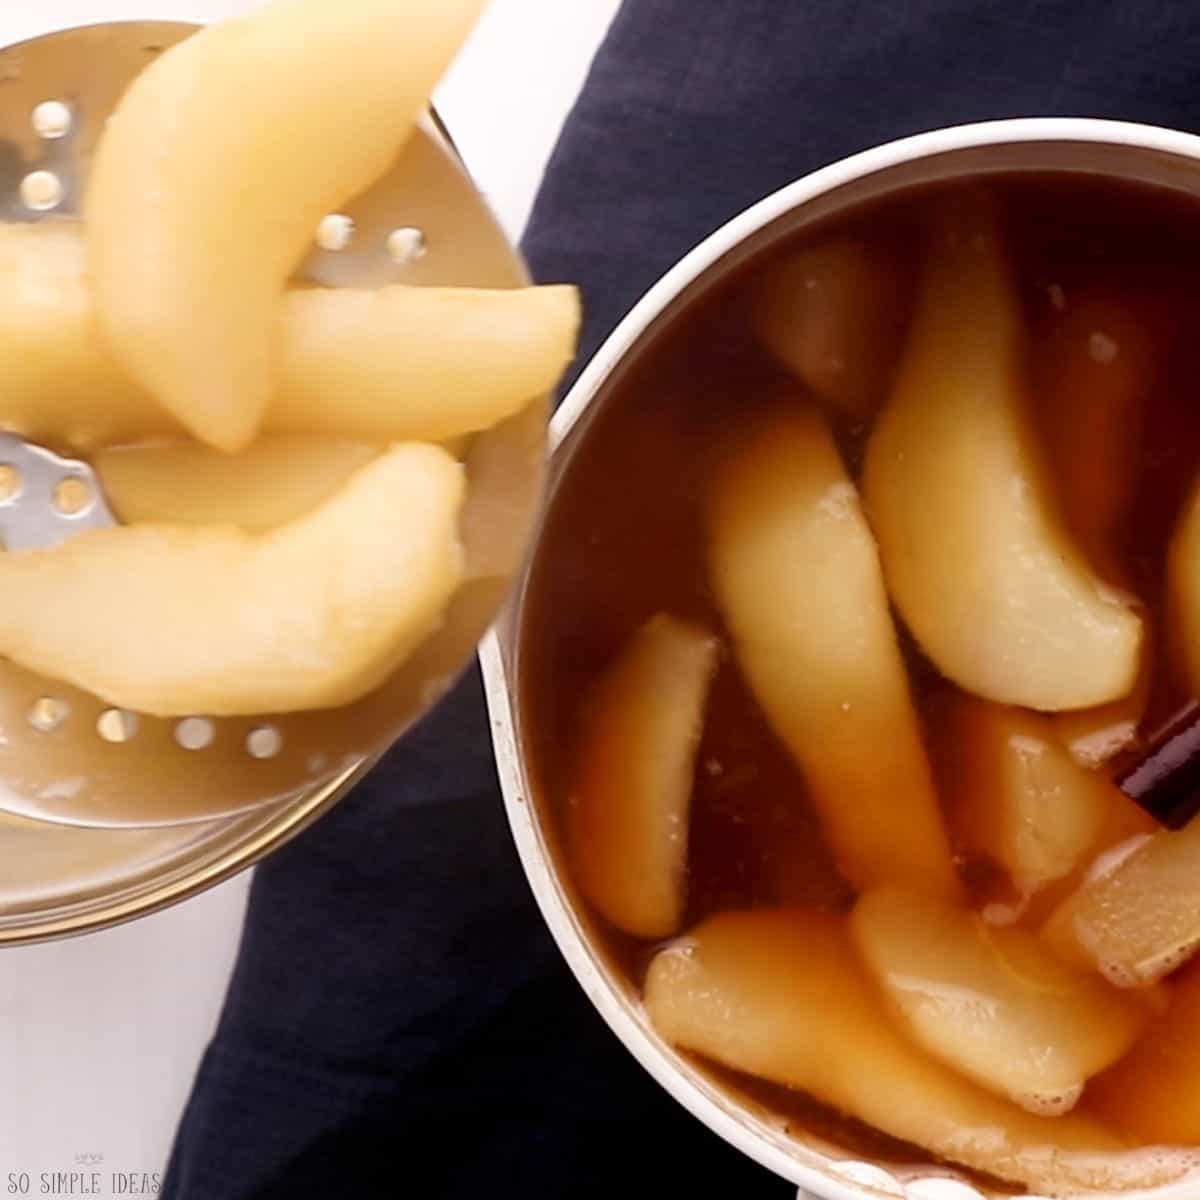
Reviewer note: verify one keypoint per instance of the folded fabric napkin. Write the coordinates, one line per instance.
(399, 1023)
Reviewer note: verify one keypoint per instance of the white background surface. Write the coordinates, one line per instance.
(100, 1036)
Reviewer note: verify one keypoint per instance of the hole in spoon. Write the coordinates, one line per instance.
(116, 725)
(72, 496)
(51, 119)
(41, 191)
(47, 713)
(264, 742)
(11, 483)
(195, 733)
(335, 232)
(406, 245)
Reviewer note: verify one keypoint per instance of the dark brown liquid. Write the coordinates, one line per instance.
(624, 540)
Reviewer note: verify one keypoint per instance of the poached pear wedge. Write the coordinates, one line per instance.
(1136, 915)
(172, 620)
(633, 762)
(184, 483)
(978, 560)
(994, 1004)
(1018, 797)
(214, 170)
(781, 995)
(797, 579)
(833, 315)
(1103, 357)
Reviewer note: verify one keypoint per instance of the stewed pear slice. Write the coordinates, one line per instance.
(275, 481)
(429, 363)
(833, 314)
(60, 382)
(1151, 1093)
(393, 364)
(797, 579)
(781, 995)
(1100, 361)
(633, 762)
(1019, 798)
(214, 170)
(977, 558)
(994, 1004)
(1183, 582)
(176, 619)
(1136, 917)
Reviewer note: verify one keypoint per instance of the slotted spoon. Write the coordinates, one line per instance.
(67, 757)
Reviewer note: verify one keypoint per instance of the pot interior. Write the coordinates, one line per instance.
(616, 415)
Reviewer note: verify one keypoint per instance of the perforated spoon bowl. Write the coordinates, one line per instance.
(67, 757)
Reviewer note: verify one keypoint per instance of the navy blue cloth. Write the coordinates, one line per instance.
(398, 1022)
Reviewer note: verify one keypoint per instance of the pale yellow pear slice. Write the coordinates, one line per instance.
(173, 619)
(1151, 1093)
(393, 364)
(60, 383)
(781, 995)
(275, 481)
(214, 170)
(977, 559)
(430, 363)
(1019, 798)
(633, 760)
(1136, 917)
(834, 315)
(995, 1004)
(796, 577)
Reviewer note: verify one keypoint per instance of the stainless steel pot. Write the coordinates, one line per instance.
(1111, 149)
